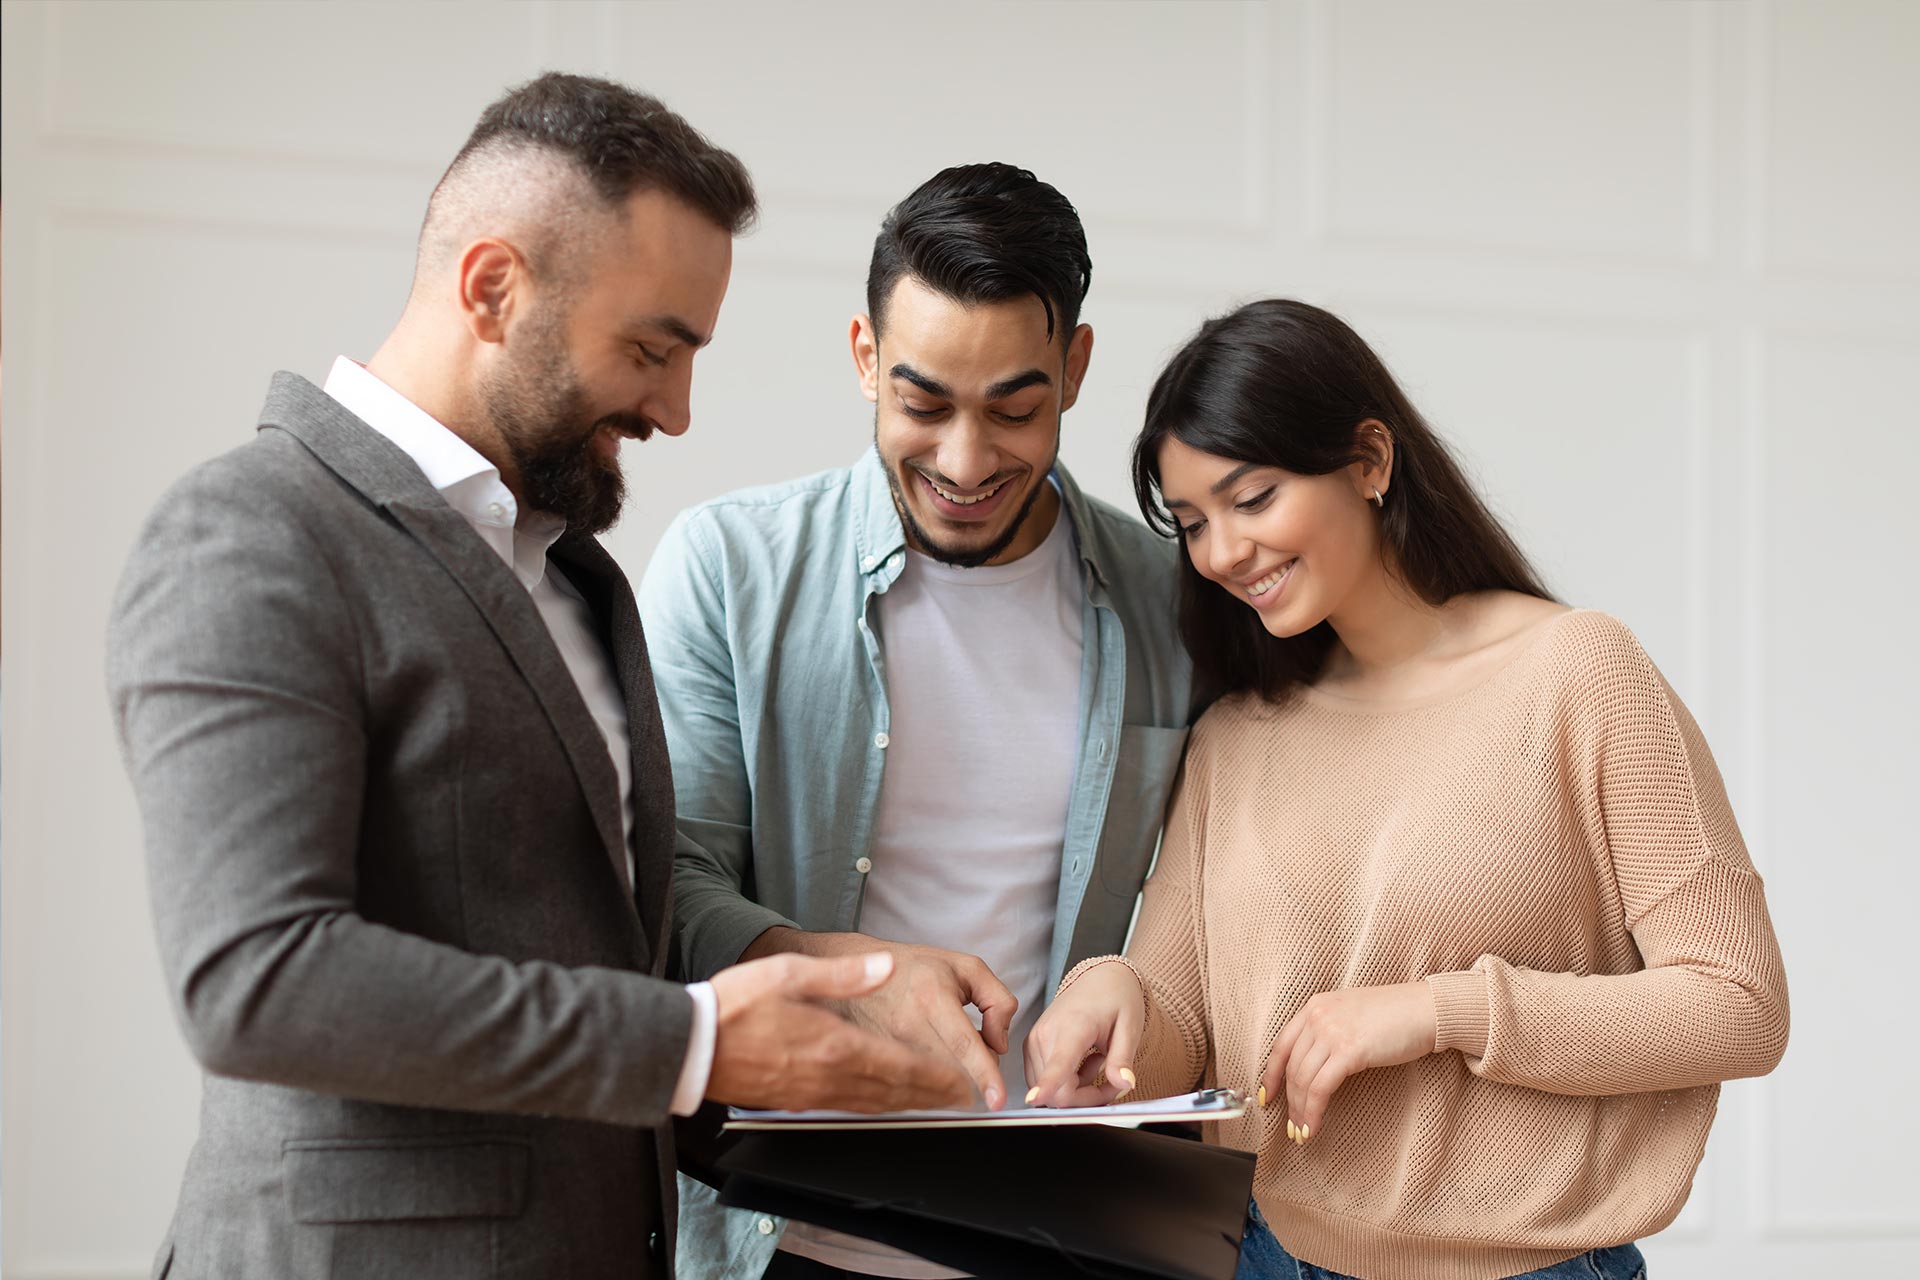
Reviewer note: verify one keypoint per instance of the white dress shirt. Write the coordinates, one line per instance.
(472, 486)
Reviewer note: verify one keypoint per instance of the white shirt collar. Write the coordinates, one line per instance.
(470, 484)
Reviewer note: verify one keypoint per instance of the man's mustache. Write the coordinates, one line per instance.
(631, 423)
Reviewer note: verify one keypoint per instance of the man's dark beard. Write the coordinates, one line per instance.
(946, 555)
(540, 411)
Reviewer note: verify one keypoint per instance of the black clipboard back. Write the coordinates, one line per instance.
(1015, 1202)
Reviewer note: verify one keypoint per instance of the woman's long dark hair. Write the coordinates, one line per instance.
(1283, 384)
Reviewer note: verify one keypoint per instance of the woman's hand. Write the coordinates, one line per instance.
(1080, 1053)
(1342, 1033)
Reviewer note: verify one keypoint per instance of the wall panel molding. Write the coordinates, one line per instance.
(1480, 27)
(1658, 256)
(1819, 522)
(118, 33)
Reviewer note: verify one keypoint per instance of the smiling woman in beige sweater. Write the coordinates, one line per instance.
(1450, 879)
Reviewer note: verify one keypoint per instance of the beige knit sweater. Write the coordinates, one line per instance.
(1553, 852)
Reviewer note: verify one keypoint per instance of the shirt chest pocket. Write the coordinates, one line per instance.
(1143, 774)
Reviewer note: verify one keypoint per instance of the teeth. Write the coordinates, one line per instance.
(957, 500)
(1272, 580)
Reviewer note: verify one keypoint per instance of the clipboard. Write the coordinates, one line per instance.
(1201, 1105)
(1017, 1202)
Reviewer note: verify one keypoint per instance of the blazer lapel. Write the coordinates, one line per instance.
(387, 476)
(515, 619)
(589, 567)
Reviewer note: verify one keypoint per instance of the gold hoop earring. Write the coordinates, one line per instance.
(1379, 501)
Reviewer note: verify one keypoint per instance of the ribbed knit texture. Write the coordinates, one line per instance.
(1552, 850)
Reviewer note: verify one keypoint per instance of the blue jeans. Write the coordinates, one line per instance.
(1262, 1258)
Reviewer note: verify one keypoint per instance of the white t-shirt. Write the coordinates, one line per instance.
(983, 681)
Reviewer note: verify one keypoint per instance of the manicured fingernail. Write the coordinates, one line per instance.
(1033, 1093)
(879, 965)
(1305, 1133)
(1263, 1095)
(1293, 1134)
(994, 1097)
(1126, 1073)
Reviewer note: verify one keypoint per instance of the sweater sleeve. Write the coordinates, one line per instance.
(1167, 949)
(1710, 1003)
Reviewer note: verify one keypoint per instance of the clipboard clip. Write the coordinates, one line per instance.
(1206, 1097)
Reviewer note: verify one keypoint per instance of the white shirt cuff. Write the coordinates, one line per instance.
(699, 1064)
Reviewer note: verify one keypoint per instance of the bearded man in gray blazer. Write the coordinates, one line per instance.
(387, 709)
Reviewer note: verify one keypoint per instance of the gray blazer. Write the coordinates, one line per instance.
(385, 853)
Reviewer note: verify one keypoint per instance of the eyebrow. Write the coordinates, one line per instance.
(1018, 382)
(921, 381)
(998, 391)
(680, 329)
(1231, 476)
(1222, 483)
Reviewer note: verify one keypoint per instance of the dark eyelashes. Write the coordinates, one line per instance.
(1255, 503)
(1009, 419)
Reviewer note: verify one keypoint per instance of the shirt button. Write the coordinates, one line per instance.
(868, 564)
(863, 865)
(497, 511)
(882, 741)
(766, 1226)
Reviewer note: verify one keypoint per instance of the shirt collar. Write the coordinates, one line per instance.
(880, 539)
(470, 484)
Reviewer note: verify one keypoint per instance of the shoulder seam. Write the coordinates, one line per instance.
(767, 496)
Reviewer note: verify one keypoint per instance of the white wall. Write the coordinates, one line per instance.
(1653, 267)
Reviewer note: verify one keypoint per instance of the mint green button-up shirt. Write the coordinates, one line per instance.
(761, 625)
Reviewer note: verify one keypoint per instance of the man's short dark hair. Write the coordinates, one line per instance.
(625, 142)
(985, 233)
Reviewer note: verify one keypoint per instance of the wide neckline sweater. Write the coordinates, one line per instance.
(1552, 851)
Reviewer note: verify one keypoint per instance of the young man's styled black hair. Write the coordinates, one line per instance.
(985, 233)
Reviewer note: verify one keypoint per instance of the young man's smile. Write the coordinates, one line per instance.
(968, 399)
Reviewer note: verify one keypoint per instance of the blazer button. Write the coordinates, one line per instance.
(863, 865)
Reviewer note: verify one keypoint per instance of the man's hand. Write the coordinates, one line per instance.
(779, 1045)
(925, 1004)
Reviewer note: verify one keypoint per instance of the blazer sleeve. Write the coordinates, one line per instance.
(234, 672)
(683, 607)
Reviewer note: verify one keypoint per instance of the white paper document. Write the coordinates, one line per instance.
(1205, 1104)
